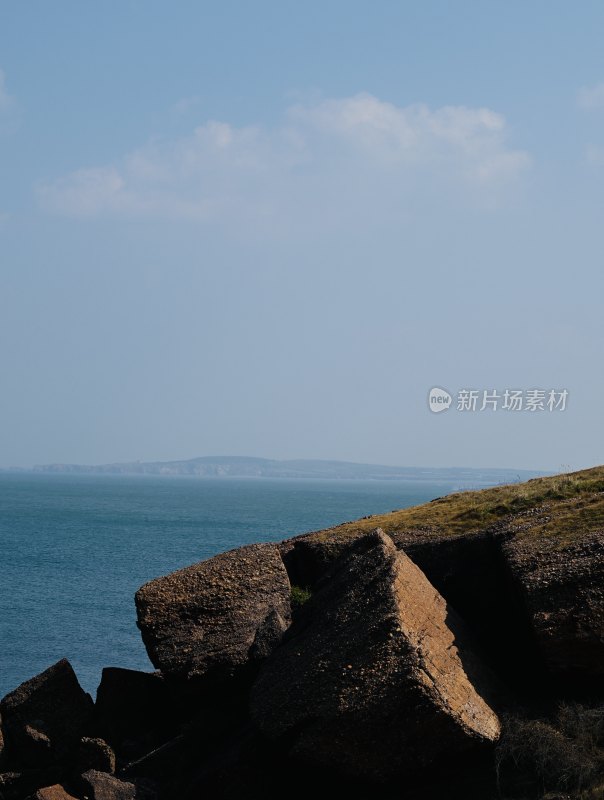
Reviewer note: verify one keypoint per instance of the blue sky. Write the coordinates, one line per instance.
(271, 228)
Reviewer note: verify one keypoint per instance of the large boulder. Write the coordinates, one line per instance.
(562, 583)
(45, 717)
(375, 677)
(205, 618)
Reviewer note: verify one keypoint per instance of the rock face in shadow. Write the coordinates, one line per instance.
(563, 588)
(100, 786)
(45, 718)
(95, 753)
(372, 678)
(471, 572)
(134, 711)
(206, 617)
(309, 557)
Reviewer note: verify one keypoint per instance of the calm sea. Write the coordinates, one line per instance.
(74, 549)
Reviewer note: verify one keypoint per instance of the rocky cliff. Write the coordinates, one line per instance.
(451, 650)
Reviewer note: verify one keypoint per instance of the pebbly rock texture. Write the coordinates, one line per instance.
(100, 786)
(563, 587)
(268, 636)
(205, 618)
(56, 792)
(95, 754)
(45, 718)
(373, 678)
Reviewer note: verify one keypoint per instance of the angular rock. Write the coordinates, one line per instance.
(95, 754)
(100, 786)
(45, 717)
(205, 618)
(134, 710)
(562, 583)
(471, 573)
(375, 676)
(56, 792)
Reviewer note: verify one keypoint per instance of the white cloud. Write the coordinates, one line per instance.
(470, 140)
(591, 98)
(323, 158)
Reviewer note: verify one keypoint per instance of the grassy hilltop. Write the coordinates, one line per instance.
(555, 507)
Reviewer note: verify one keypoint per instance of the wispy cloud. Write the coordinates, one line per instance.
(591, 98)
(185, 104)
(336, 153)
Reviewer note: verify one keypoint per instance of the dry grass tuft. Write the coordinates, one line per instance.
(561, 757)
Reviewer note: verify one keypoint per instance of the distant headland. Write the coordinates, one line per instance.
(248, 466)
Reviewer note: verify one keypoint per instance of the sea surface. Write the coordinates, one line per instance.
(74, 549)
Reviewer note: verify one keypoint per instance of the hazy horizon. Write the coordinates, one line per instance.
(234, 457)
(273, 228)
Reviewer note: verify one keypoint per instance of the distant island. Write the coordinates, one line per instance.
(250, 467)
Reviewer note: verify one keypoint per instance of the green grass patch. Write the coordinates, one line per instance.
(300, 595)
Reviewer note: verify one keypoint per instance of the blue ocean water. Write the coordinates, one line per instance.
(74, 549)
